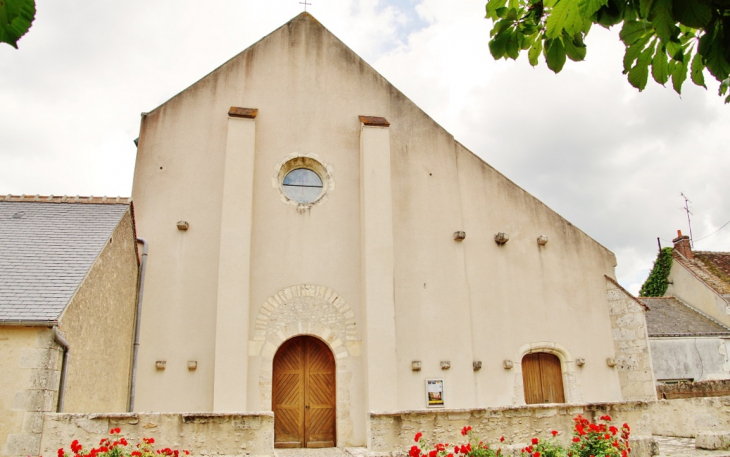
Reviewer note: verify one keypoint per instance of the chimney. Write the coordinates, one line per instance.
(681, 244)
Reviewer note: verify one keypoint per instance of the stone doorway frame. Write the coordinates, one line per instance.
(310, 310)
(571, 386)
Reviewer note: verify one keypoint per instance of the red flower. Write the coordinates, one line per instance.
(466, 430)
(501, 440)
(576, 439)
(148, 440)
(60, 452)
(536, 454)
(415, 452)
(613, 430)
(554, 432)
(418, 436)
(606, 418)
(432, 453)
(535, 441)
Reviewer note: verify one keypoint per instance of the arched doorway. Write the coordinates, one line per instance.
(303, 396)
(542, 378)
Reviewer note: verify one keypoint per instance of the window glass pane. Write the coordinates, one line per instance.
(302, 185)
(302, 177)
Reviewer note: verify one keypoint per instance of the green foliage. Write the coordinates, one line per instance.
(656, 284)
(16, 16)
(664, 38)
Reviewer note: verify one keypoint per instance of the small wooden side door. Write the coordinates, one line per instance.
(303, 395)
(542, 378)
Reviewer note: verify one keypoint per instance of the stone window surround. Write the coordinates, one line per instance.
(571, 386)
(302, 160)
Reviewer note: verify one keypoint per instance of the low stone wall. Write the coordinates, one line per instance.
(686, 417)
(220, 434)
(718, 388)
(394, 431)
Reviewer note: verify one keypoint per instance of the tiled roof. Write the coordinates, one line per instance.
(46, 249)
(668, 316)
(711, 267)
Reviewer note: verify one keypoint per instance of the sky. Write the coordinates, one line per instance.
(609, 159)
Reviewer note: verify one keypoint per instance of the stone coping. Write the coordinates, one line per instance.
(589, 406)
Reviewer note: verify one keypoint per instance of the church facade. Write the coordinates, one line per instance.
(320, 247)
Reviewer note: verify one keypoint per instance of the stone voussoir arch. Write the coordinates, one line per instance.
(304, 309)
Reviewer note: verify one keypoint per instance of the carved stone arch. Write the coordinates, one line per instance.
(571, 385)
(313, 310)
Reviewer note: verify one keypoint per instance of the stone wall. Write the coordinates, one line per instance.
(694, 389)
(394, 431)
(686, 417)
(631, 345)
(30, 367)
(203, 434)
(99, 324)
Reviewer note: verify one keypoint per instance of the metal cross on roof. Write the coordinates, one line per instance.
(305, 4)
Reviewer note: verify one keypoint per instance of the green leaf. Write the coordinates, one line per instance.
(679, 74)
(639, 74)
(634, 51)
(662, 20)
(498, 44)
(713, 50)
(659, 66)
(514, 43)
(16, 17)
(535, 51)
(590, 7)
(611, 14)
(493, 6)
(574, 48)
(564, 16)
(692, 13)
(675, 50)
(697, 66)
(645, 8)
(632, 31)
(555, 54)
(500, 27)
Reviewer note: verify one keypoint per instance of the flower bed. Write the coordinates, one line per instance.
(601, 439)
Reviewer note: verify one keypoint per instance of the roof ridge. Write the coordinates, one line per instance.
(65, 199)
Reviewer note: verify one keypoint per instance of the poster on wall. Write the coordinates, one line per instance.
(435, 393)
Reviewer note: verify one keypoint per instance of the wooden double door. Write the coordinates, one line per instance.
(304, 394)
(542, 378)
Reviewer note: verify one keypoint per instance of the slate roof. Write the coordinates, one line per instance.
(46, 249)
(713, 268)
(668, 316)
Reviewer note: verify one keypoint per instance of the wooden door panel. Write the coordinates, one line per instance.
(551, 378)
(531, 379)
(303, 397)
(288, 395)
(542, 377)
(320, 395)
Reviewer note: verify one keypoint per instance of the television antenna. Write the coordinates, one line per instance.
(689, 222)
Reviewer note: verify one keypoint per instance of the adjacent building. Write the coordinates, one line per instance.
(68, 281)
